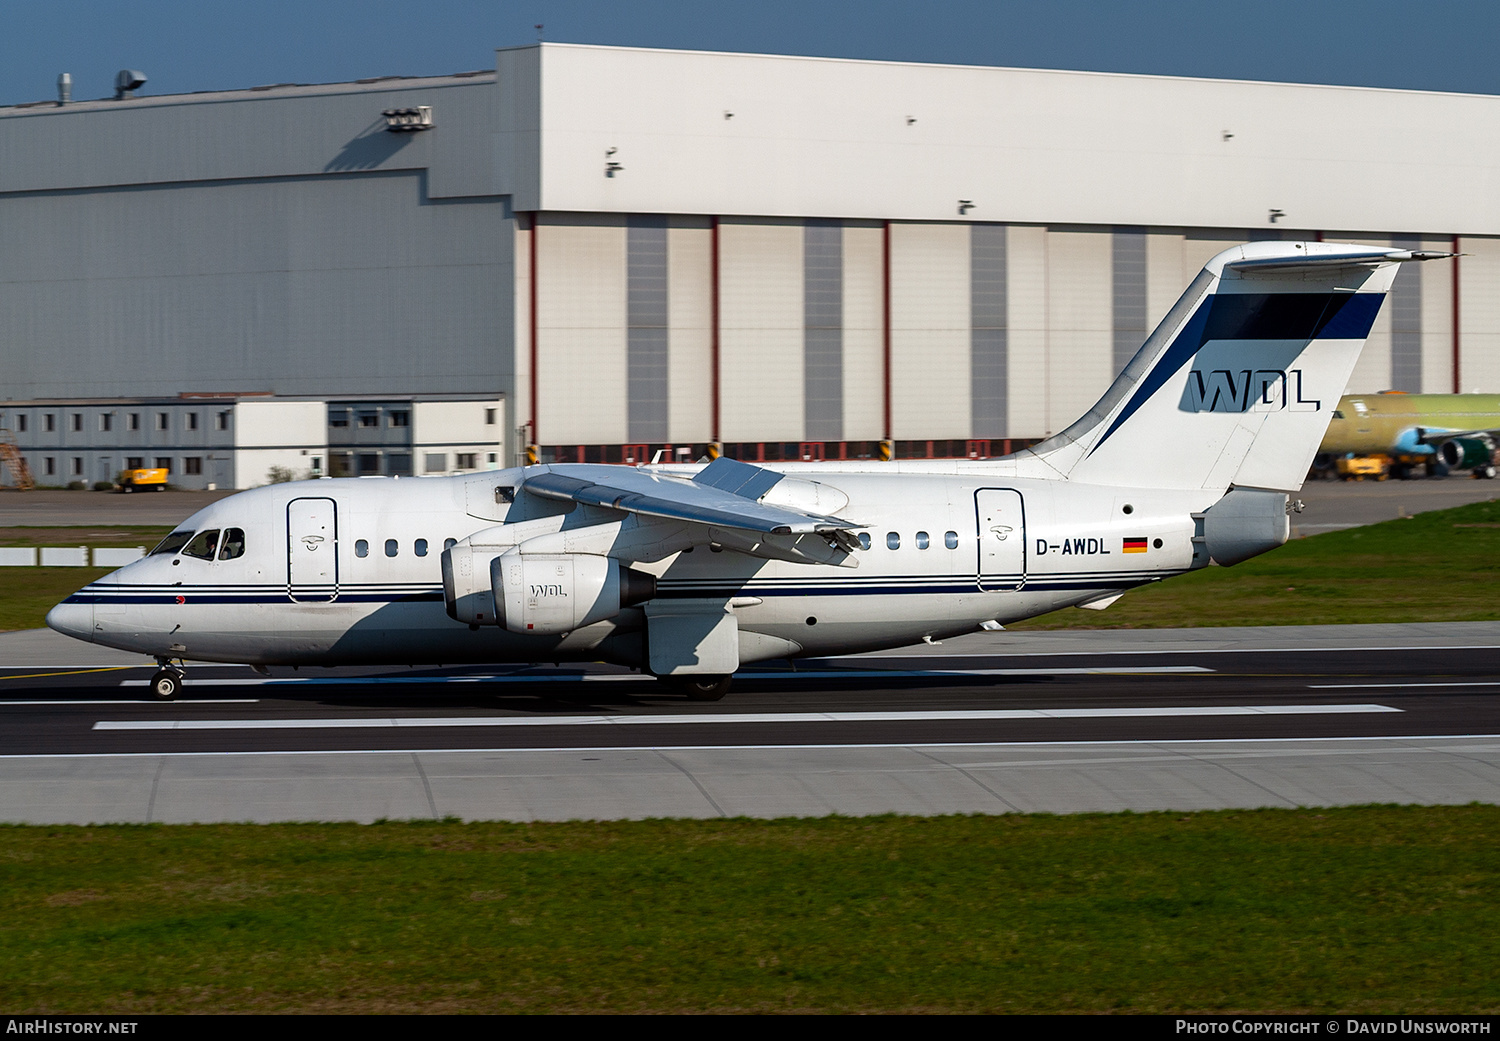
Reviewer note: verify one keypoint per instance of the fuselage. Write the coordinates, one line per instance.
(349, 571)
(1393, 424)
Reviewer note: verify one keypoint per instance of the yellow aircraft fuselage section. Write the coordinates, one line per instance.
(1368, 424)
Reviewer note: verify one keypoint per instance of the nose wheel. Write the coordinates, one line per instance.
(167, 683)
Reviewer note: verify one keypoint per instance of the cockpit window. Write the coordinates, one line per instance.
(173, 542)
(234, 544)
(203, 545)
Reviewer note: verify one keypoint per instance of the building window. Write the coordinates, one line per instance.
(435, 463)
(78, 466)
(338, 417)
(493, 457)
(49, 466)
(192, 464)
(192, 421)
(106, 421)
(489, 417)
(369, 419)
(361, 548)
(399, 464)
(134, 462)
(164, 462)
(163, 421)
(49, 423)
(77, 422)
(20, 424)
(467, 460)
(135, 421)
(221, 421)
(391, 547)
(400, 418)
(369, 463)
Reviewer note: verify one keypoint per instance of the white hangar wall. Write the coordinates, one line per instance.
(996, 331)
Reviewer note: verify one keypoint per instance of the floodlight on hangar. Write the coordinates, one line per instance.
(408, 120)
(127, 81)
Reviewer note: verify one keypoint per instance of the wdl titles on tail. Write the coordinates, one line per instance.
(689, 572)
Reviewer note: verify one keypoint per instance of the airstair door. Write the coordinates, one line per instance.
(312, 550)
(1001, 518)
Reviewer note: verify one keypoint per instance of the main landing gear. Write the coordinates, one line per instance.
(698, 688)
(167, 683)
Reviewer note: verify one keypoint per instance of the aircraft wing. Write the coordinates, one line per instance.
(724, 494)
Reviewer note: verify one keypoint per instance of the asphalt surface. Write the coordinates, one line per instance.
(1174, 719)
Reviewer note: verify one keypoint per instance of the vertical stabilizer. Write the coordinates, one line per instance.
(1238, 383)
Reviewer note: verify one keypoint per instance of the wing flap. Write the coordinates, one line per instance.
(725, 500)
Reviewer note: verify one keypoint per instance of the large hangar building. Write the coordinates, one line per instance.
(607, 252)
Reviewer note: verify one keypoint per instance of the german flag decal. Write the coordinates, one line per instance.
(1133, 546)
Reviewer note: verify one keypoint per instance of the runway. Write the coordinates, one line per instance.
(992, 723)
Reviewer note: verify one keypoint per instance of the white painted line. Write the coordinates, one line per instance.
(1146, 636)
(615, 677)
(408, 722)
(1403, 743)
(1367, 686)
(124, 703)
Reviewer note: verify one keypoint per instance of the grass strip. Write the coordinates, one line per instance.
(1366, 909)
(1440, 566)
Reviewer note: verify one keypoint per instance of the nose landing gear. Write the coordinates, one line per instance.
(167, 683)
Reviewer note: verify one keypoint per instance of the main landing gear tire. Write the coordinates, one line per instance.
(166, 685)
(699, 688)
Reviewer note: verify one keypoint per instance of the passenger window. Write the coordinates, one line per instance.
(922, 540)
(421, 547)
(390, 547)
(864, 540)
(892, 540)
(203, 545)
(173, 542)
(950, 539)
(234, 544)
(361, 548)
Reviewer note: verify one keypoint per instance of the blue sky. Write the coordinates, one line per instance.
(190, 46)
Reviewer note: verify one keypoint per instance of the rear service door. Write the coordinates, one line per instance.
(1002, 538)
(312, 550)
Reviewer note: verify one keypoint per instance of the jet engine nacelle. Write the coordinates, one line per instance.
(1465, 453)
(560, 592)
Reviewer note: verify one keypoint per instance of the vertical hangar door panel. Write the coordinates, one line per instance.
(1002, 539)
(312, 550)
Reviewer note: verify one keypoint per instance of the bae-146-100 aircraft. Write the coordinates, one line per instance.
(691, 571)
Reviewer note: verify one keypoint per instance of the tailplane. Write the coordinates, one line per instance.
(1237, 385)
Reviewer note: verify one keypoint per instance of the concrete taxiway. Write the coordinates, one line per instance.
(990, 723)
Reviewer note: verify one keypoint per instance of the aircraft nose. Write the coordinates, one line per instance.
(75, 620)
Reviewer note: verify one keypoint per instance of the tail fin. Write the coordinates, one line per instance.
(1238, 383)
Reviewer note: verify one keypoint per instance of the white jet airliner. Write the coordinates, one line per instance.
(689, 572)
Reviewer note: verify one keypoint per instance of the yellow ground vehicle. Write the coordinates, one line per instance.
(1358, 467)
(148, 478)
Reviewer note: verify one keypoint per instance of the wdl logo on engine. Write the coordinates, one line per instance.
(548, 590)
(1247, 390)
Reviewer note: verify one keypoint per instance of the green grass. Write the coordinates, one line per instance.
(1371, 909)
(1441, 566)
(28, 593)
